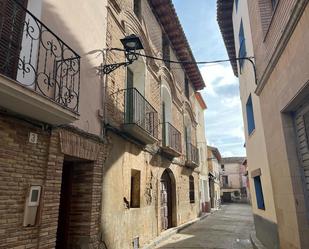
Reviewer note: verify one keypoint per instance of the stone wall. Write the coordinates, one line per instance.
(120, 223)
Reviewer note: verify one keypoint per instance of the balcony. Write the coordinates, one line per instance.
(171, 142)
(134, 115)
(192, 159)
(39, 73)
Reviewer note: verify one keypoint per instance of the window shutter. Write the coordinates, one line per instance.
(12, 19)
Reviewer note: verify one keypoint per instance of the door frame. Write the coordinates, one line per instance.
(173, 207)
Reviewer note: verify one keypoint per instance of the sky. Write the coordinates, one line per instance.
(223, 118)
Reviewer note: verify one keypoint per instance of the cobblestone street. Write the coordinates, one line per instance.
(228, 228)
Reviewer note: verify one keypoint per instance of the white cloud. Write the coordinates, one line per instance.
(224, 125)
(231, 102)
(217, 76)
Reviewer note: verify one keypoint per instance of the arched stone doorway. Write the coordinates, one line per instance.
(168, 200)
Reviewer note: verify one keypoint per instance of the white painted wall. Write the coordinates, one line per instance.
(28, 44)
(255, 143)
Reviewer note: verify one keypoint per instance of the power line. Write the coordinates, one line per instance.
(184, 62)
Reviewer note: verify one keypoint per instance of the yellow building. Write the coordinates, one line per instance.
(214, 158)
(151, 179)
(275, 110)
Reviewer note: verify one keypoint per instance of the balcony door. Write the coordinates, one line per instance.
(129, 113)
(12, 20)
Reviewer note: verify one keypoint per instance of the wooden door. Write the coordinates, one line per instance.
(12, 20)
(302, 131)
(164, 206)
(166, 202)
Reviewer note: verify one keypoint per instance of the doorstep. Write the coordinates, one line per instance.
(169, 232)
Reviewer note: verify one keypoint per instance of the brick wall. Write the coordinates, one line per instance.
(267, 27)
(24, 164)
(21, 164)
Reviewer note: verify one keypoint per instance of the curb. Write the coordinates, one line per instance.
(255, 242)
(167, 234)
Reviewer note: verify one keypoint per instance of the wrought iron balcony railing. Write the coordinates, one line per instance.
(128, 110)
(192, 154)
(34, 56)
(171, 137)
(140, 112)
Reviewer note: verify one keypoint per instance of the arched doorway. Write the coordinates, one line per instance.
(168, 200)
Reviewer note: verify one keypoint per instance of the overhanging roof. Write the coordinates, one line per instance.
(200, 100)
(216, 152)
(228, 160)
(225, 21)
(167, 16)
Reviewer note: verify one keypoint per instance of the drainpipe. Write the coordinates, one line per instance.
(103, 80)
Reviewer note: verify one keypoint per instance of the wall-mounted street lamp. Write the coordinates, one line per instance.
(131, 44)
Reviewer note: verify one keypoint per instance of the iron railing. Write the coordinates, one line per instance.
(140, 112)
(34, 56)
(171, 137)
(192, 153)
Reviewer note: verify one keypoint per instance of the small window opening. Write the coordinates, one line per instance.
(135, 188)
(191, 189)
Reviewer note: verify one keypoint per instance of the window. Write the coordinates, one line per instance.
(135, 189)
(242, 45)
(191, 189)
(236, 4)
(250, 115)
(267, 8)
(137, 8)
(259, 192)
(274, 3)
(187, 90)
(225, 181)
(166, 50)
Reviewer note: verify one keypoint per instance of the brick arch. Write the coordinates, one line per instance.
(133, 25)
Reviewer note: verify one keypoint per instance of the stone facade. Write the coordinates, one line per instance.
(121, 223)
(214, 159)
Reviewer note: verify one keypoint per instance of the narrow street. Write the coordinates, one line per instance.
(228, 228)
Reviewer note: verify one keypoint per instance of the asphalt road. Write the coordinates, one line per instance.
(228, 228)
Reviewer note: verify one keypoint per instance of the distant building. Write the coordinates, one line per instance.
(233, 179)
(214, 158)
(202, 148)
(275, 102)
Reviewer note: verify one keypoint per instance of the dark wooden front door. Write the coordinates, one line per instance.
(166, 203)
(64, 207)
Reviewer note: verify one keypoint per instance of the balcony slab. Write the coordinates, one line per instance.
(139, 133)
(26, 102)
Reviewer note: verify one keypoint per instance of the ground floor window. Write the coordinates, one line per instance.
(259, 192)
(191, 189)
(135, 188)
